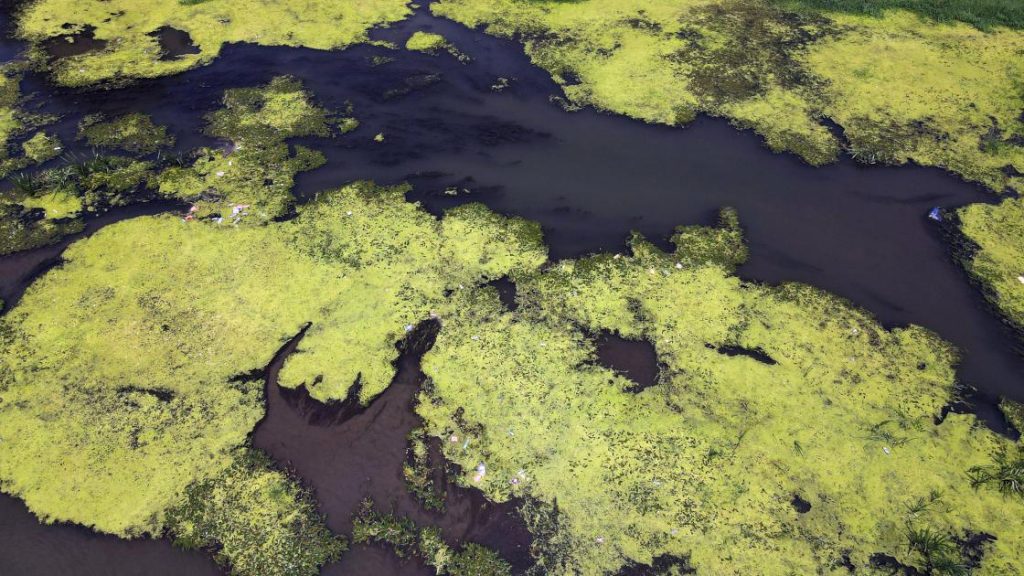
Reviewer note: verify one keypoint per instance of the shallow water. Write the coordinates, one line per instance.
(589, 178)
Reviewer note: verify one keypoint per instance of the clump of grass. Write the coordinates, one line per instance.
(1005, 474)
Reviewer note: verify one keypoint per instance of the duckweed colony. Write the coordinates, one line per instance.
(788, 433)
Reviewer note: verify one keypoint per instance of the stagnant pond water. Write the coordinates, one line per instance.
(589, 178)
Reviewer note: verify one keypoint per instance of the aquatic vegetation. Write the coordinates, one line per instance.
(432, 43)
(257, 519)
(897, 88)
(706, 465)
(997, 231)
(1006, 474)
(10, 94)
(126, 368)
(15, 121)
(419, 472)
(133, 133)
(128, 31)
(41, 147)
(251, 178)
(1014, 413)
(981, 13)
(406, 539)
(42, 208)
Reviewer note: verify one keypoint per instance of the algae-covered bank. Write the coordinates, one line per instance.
(892, 86)
(126, 39)
(125, 369)
(505, 385)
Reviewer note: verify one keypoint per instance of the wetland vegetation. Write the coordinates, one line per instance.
(785, 431)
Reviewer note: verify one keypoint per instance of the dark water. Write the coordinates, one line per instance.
(347, 455)
(589, 179)
(633, 359)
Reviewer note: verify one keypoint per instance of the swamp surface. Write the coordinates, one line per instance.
(453, 131)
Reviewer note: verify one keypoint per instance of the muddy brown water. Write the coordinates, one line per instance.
(588, 178)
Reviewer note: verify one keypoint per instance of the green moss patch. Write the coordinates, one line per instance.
(432, 43)
(132, 133)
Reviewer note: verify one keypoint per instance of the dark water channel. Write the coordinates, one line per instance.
(588, 178)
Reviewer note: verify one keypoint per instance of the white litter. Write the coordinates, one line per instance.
(886, 450)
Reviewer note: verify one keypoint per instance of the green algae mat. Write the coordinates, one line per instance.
(788, 432)
(929, 82)
(120, 369)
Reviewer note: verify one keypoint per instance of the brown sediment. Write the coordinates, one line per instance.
(346, 452)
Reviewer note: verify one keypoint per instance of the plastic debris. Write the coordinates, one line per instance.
(935, 214)
(679, 265)
(453, 438)
(481, 471)
(1021, 278)
(220, 174)
(886, 450)
(408, 327)
(474, 337)
(599, 540)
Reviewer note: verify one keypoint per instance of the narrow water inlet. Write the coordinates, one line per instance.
(346, 452)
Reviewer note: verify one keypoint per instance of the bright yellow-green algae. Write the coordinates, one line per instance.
(116, 370)
(998, 232)
(256, 169)
(705, 464)
(432, 43)
(902, 88)
(258, 520)
(133, 51)
(134, 133)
